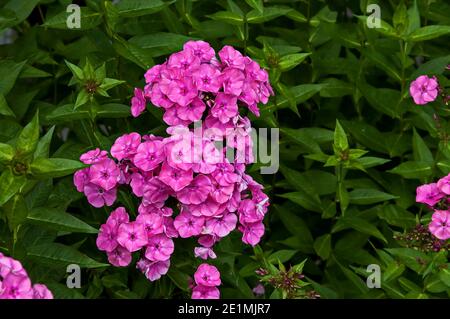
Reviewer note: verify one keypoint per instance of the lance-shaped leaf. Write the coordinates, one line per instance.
(58, 220)
(28, 139)
(54, 167)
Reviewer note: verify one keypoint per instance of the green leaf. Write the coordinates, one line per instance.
(290, 61)
(108, 83)
(111, 110)
(21, 8)
(428, 33)
(133, 53)
(421, 152)
(413, 259)
(76, 71)
(322, 246)
(340, 138)
(136, 8)
(160, 43)
(283, 255)
(10, 184)
(56, 219)
(61, 291)
(256, 4)
(385, 28)
(228, 17)
(303, 200)
(397, 216)
(413, 18)
(269, 13)
(67, 113)
(336, 88)
(82, 98)
(296, 226)
(358, 224)
(6, 153)
(444, 275)
(43, 146)
(16, 211)
(4, 108)
(412, 170)
(89, 19)
(300, 182)
(54, 167)
(57, 255)
(28, 139)
(363, 196)
(10, 71)
(303, 139)
(383, 100)
(382, 62)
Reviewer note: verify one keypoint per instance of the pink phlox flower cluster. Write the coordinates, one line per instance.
(15, 283)
(213, 195)
(435, 195)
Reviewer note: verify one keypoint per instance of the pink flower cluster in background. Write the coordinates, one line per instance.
(213, 195)
(15, 283)
(436, 196)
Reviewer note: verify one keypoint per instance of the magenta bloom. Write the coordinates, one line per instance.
(153, 270)
(225, 107)
(125, 146)
(156, 192)
(119, 257)
(153, 223)
(424, 89)
(248, 212)
(107, 238)
(149, 155)
(232, 57)
(252, 233)
(176, 178)
(41, 292)
(207, 275)
(188, 225)
(81, 179)
(204, 253)
(138, 102)
(159, 248)
(191, 112)
(206, 78)
(182, 92)
(118, 217)
(104, 174)
(444, 185)
(98, 197)
(200, 49)
(430, 194)
(16, 287)
(440, 224)
(205, 292)
(132, 236)
(222, 226)
(94, 156)
(196, 192)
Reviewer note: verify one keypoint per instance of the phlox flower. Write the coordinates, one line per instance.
(125, 146)
(153, 270)
(188, 225)
(424, 89)
(159, 248)
(104, 174)
(132, 236)
(440, 224)
(207, 275)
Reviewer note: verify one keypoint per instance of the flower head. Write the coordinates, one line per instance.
(424, 89)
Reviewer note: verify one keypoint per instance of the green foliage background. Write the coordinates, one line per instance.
(343, 189)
